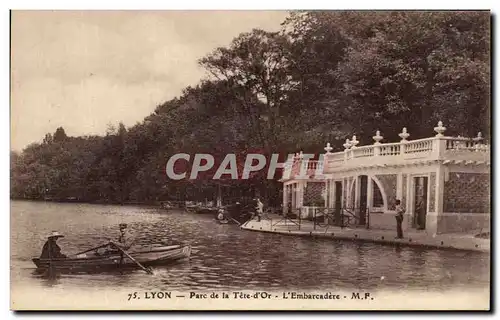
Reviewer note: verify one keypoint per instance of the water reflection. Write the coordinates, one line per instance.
(225, 257)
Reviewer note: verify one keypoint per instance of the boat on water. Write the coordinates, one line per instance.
(172, 205)
(207, 210)
(149, 256)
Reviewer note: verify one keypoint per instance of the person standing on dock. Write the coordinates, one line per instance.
(259, 209)
(399, 218)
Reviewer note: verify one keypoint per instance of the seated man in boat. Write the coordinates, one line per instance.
(125, 239)
(51, 249)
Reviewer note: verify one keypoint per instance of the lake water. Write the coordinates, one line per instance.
(227, 258)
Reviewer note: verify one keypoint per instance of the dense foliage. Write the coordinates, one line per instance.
(324, 77)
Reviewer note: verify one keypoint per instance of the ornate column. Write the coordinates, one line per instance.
(432, 220)
(285, 197)
(342, 200)
(357, 191)
(301, 187)
(328, 182)
(369, 194)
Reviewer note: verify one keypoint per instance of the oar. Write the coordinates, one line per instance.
(239, 224)
(95, 248)
(130, 257)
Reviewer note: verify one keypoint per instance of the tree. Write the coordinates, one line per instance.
(324, 77)
(255, 66)
(60, 135)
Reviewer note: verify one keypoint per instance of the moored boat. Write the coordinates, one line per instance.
(207, 210)
(115, 260)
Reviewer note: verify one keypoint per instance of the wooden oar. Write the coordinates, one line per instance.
(95, 248)
(239, 224)
(130, 257)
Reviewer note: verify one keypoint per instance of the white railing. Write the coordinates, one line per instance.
(461, 144)
(365, 151)
(435, 148)
(416, 146)
(390, 149)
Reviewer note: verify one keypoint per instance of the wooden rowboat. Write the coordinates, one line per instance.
(115, 260)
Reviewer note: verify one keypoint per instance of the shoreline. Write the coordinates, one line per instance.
(98, 202)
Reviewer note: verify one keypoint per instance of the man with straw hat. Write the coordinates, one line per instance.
(51, 249)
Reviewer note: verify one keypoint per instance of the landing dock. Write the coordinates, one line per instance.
(457, 241)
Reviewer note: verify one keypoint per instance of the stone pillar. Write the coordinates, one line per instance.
(285, 197)
(369, 194)
(294, 194)
(332, 193)
(357, 192)
(432, 220)
(407, 220)
(301, 187)
(399, 187)
(344, 186)
(327, 193)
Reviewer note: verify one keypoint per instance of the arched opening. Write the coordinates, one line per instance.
(378, 196)
(358, 201)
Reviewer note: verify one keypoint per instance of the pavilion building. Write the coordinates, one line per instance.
(443, 183)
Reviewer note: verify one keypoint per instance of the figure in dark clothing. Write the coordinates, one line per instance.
(51, 249)
(259, 209)
(399, 218)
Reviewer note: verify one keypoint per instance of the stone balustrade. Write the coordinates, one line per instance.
(439, 147)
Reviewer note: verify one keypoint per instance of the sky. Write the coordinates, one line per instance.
(84, 70)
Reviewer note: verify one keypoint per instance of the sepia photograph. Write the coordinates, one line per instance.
(318, 160)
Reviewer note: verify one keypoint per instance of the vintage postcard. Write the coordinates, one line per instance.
(250, 160)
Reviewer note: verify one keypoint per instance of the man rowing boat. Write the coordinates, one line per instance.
(125, 239)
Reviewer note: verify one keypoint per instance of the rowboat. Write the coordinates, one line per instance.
(115, 260)
(207, 210)
(172, 205)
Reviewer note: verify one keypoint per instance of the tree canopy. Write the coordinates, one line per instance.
(325, 76)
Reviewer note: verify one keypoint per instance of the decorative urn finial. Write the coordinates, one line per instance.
(404, 135)
(328, 148)
(377, 137)
(347, 144)
(354, 141)
(439, 129)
